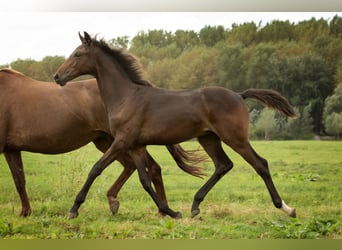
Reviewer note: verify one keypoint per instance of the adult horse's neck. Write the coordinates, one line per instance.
(114, 83)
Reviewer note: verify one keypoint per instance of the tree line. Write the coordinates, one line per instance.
(301, 60)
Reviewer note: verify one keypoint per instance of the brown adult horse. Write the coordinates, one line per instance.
(140, 115)
(44, 118)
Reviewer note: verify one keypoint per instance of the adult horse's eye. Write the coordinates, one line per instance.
(77, 54)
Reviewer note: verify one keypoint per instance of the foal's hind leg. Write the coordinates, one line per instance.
(261, 167)
(141, 160)
(15, 163)
(212, 145)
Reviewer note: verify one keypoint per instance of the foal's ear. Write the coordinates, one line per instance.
(86, 39)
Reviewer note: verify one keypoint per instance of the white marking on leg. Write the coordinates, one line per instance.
(289, 210)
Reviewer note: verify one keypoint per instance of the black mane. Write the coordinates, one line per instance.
(127, 61)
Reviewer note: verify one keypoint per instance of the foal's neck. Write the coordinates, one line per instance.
(114, 83)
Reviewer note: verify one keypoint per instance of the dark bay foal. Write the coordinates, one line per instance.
(141, 115)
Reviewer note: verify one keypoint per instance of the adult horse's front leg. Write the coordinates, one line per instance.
(109, 156)
(140, 157)
(112, 193)
(154, 172)
(15, 163)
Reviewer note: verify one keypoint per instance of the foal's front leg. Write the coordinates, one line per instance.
(109, 156)
(140, 157)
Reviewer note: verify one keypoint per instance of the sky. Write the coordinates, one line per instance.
(36, 34)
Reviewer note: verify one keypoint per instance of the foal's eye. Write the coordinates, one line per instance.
(77, 54)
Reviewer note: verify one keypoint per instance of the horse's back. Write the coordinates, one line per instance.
(43, 117)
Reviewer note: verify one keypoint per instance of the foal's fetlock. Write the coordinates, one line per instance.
(72, 215)
(195, 212)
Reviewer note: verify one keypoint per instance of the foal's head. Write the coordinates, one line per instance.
(78, 63)
(82, 61)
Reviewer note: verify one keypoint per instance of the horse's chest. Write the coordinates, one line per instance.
(123, 121)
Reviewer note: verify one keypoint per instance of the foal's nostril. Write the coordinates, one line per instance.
(56, 77)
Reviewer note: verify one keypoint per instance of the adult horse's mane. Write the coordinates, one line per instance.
(11, 71)
(127, 61)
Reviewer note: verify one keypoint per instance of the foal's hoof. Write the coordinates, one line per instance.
(293, 213)
(72, 215)
(195, 212)
(114, 206)
(177, 215)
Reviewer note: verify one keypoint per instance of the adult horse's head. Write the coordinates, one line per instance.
(78, 62)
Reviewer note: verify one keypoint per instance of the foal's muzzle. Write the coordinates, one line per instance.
(58, 80)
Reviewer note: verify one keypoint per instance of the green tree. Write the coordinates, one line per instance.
(276, 31)
(28, 67)
(335, 26)
(242, 33)
(195, 68)
(306, 31)
(231, 67)
(305, 80)
(266, 123)
(120, 42)
(211, 35)
(49, 66)
(261, 66)
(333, 112)
(299, 128)
(186, 39)
(333, 124)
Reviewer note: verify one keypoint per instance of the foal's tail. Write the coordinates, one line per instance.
(271, 99)
(185, 157)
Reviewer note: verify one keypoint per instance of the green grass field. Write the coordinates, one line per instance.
(307, 174)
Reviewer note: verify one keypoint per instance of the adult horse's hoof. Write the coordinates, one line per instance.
(195, 212)
(72, 215)
(25, 212)
(114, 206)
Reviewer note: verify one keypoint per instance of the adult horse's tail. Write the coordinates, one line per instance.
(183, 157)
(271, 99)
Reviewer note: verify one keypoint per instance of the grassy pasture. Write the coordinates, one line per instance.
(307, 174)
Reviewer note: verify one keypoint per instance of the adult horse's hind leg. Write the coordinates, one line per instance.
(154, 172)
(127, 162)
(212, 145)
(15, 163)
(261, 167)
(112, 193)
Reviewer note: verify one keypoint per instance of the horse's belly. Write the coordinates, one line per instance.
(164, 135)
(47, 144)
